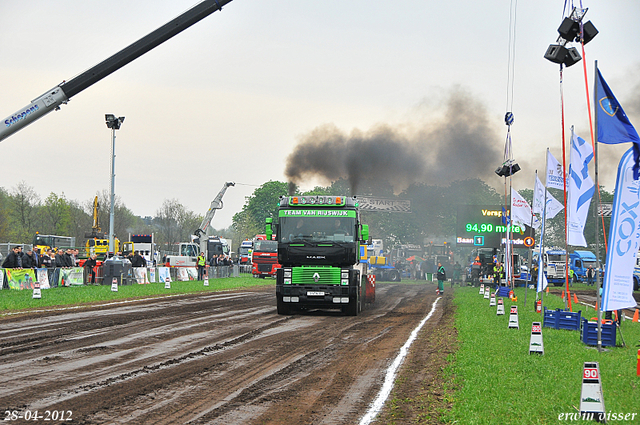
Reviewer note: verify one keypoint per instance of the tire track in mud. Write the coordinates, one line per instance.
(208, 359)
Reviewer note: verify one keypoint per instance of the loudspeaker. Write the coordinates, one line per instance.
(556, 53)
(572, 57)
(588, 32)
(569, 29)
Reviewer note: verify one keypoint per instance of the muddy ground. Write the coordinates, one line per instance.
(227, 358)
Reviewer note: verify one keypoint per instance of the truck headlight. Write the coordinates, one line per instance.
(287, 273)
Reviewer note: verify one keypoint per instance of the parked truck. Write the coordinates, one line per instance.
(264, 258)
(244, 251)
(378, 263)
(555, 263)
(319, 241)
(579, 262)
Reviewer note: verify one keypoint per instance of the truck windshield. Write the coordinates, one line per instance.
(317, 229)
(266, 246)
(557, 257)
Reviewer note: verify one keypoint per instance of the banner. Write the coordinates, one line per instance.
(1, 278)
(580, 190)
(152, 275)
(20, 278)
(163, 274)
(555, 177)
(624, 238)
(140, 274)
(368, 203)
(192, 272)
(43, 278)
(71, 276)
(521, 211)
(182, 274)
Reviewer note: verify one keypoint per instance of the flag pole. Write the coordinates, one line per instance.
(541, 262)
(598, 265)
(526, 289)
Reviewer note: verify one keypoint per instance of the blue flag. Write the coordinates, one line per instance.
(613, 124)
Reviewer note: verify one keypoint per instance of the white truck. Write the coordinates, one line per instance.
(203, 239)
(555, 264)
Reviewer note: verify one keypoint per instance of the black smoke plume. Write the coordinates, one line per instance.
(455, 143)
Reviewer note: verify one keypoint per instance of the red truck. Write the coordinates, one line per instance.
(264, 257)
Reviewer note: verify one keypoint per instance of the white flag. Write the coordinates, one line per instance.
(553, 206)
(521, 211)
(542, 278)
(554, 172)
(624, 239)
(580, 189)
(538, 197)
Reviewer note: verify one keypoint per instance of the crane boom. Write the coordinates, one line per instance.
(216, 204)
(59, 95)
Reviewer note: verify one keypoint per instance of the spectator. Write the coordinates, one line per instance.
(46, 260)
(202, 262)
(29, 260)
(136, 260)
(20, 254)
(442, 276)
(68, 258)
(590, 275)
(60, 261)
(90, 265)
(13, 261)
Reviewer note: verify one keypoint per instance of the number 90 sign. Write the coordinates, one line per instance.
(590, 374)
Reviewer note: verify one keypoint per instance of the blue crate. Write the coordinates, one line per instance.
(503, 291)
(590, 333)
(569, 321)
(562, 319)
(550, 318)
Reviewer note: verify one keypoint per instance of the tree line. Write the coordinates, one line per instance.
(432, 217)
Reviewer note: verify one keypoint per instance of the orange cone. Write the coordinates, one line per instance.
(615, 315)
(562, 294)
(575, 298)
(547, 290)
(635, 316)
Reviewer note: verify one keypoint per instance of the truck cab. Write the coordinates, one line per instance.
(580, 261)
(318, 247)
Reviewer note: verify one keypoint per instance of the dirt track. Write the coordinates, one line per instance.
(219, 358)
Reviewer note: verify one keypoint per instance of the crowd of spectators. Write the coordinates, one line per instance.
(33, 258)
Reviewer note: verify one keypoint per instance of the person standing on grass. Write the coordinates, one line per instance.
(442, 276)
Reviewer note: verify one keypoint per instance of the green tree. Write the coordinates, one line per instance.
(260, 205)
(55, 215)
(24, 203)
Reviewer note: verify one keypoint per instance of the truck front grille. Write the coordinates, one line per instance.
(308, 275)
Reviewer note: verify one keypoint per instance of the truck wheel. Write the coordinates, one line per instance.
(283, 308)
(394, 276)
(352, 308)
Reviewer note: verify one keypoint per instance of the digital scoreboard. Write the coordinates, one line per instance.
(483, 226)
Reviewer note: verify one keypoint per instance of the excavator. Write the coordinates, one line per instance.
(97, 242)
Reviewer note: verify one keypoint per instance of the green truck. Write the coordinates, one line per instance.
(319, 240)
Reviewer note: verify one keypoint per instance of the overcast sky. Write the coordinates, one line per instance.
(231, 97)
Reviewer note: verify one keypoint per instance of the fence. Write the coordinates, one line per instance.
(75, 276)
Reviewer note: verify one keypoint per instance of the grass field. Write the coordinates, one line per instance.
(498, 381)
(11, 300)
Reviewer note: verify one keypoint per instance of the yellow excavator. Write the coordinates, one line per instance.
(97, 242)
